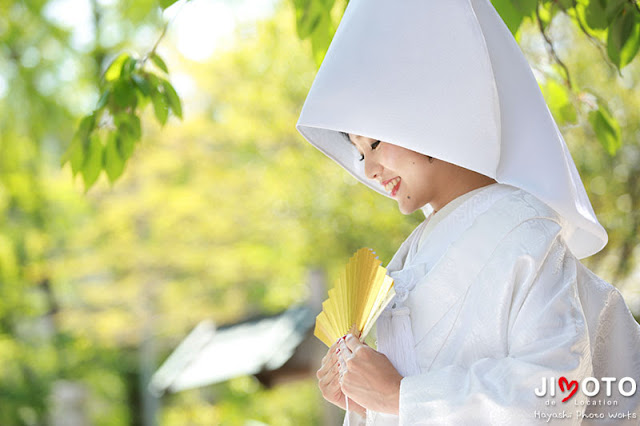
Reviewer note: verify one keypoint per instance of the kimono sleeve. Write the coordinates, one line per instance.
(547, 337)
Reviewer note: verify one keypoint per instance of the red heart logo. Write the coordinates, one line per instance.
(569, 384)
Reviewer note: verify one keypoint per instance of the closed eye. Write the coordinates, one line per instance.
(373, 146)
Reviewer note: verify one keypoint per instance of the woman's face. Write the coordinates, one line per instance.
(411, 178)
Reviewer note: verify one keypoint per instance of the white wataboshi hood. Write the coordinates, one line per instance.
(447, 79)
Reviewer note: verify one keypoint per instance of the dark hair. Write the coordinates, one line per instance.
(346, 136)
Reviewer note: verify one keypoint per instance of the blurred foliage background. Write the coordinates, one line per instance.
(222, 214)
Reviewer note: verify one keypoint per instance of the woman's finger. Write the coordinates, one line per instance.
(352, 342)
(342, 367)
(331, 352)
(329, 362)
(344, 348)
(328, 368)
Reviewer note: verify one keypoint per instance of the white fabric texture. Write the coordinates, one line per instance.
(436, 217)
(410, 265)
(446, 79)
(500, 305)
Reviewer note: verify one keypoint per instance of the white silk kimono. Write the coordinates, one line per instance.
(496, 303)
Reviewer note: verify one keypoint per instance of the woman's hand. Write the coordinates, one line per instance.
(368, 377)
(329, 381)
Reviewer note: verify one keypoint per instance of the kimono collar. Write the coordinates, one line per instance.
(412, 266)
(458, 89)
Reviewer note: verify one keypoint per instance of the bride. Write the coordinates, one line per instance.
(432, 103)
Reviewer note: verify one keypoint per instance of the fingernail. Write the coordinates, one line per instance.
(348, 336)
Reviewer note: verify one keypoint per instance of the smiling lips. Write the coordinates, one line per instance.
(392, 185)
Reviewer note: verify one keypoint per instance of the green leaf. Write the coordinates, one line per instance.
(86, 126)
(124, 93)
(525, 7)
(613, 9)
(160, 105)
(128, 66)
(557, 97)
(142, 101)
(159, 62)
(136, 128)
(172, 98)
(631, 46)
(114, 69)
(623, 39)
(309, 14)
(606, 128)
(76, 151)
(126, 144)
(166, 3)
(113, 162)
(594, 14)
(130, 124)
(321, 38)
(301, 9)
(511, 16)
(142, 84)
(104, 98)
(75, 155)
(93, 161)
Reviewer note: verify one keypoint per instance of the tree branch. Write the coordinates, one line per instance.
(551, 49)
(162, 34)
(98, 53)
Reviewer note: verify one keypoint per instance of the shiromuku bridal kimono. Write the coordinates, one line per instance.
(497, 304)
(495, 320)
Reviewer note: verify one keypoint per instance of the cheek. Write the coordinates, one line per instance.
(396, 158)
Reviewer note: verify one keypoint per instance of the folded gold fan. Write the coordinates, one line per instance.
(356, 301)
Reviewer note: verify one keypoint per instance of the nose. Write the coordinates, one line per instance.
(372, 168)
